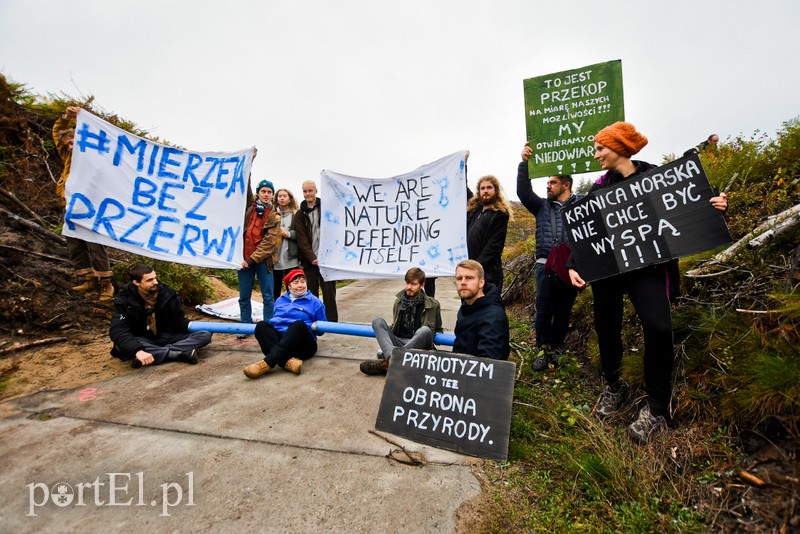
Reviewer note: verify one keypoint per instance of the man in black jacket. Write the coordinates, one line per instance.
(149, 326)
(554, 299)
(481, 325)
(488, 214)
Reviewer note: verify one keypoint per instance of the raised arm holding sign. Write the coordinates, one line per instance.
(647, 286)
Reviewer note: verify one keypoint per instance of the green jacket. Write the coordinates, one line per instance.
(431, 315)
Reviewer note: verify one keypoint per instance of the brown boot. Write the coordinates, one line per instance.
(294, 365)
(257, 369)
(89, 283)
(106, 290)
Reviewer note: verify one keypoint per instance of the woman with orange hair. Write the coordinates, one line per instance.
(649, 289)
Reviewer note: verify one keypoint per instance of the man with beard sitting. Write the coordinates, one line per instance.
(417, 317)
(149, 326)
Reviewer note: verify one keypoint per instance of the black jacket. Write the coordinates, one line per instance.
(671, 271)
(482, 328)
(486, 237)
(540, 208)
(130, 319)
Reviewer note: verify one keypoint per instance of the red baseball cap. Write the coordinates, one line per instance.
(294, 273)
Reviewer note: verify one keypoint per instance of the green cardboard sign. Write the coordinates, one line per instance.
(564, 110)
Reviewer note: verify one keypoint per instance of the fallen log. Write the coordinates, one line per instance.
(22, 346)
(768, 230)
(24, 207)
(35, 228)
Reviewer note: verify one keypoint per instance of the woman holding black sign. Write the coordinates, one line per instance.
(650, 289)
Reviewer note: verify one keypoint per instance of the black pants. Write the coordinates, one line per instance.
(315, 282)
(430, 287)
(554, 301)
(647, 289)
(278, 348)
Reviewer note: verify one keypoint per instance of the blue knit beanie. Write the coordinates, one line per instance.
(265, 183)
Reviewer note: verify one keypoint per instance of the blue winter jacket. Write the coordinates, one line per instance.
(307, 308)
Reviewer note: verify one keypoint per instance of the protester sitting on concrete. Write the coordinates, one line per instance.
(90, 260)
(416, 319)
(287, 339)
(481, 325)
(149, 325)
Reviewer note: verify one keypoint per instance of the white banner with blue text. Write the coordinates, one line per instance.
(155, 200)
(381, 227)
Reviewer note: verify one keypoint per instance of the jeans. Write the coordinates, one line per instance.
(265, 282)
(422, 339)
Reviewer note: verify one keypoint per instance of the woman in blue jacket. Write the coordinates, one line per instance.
(287, 339)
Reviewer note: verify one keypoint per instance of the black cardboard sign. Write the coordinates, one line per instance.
(448, 400)
(660, 215)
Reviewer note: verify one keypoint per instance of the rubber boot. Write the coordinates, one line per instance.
(89, 283)
(106, 290)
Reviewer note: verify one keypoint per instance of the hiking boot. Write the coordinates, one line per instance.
(106, 290)
(541, 361)
(558, 358)
(646, 425)
(294, 365)
(89, 283)
(374, 367)
(257, 369)
(608, 402)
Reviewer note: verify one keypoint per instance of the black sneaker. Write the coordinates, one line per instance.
(374, 367)
(189, 356)
(545, 358)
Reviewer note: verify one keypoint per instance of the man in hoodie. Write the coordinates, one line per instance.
(554, 299)
(307, 226)
(481, 325)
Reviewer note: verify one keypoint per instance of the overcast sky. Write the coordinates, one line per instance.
(376, 89)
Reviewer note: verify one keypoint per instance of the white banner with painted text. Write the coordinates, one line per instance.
(380, 228)
(155, 200)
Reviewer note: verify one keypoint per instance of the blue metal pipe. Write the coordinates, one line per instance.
(324, 327)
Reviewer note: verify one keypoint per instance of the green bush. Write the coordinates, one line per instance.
(190, 282)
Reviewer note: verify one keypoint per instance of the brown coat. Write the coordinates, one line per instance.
(267, 250)
(304, 234)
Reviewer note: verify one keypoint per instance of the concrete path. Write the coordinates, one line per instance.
(181, 448)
